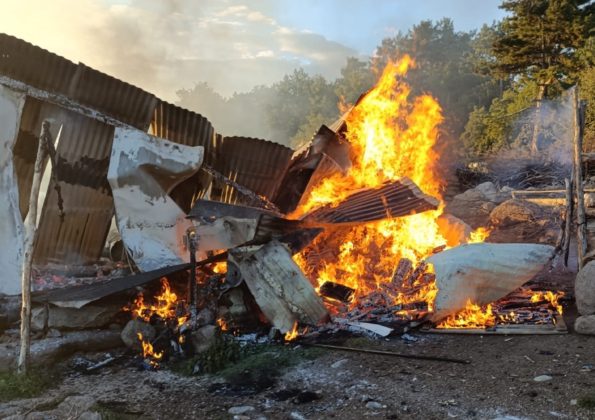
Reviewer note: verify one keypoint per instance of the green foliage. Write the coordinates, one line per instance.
(587, 401)
(540, 39)
(224, 352)
(298, 98)
(272, 359)
(491, 129)
(15, 386)
(587, 93)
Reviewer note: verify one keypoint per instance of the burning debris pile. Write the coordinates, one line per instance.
(349, 233)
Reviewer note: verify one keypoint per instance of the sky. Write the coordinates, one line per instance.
(233, 45)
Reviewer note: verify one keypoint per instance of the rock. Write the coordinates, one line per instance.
(90, 415)
(203, 338)
(205, 317)
(239, 410)
(339, 363)
(506, 190)
(489, 191)
(130, 333)
(585, 324)
(468, 207)
(89, 316)
(75, 405)
(584, 289)
(294, 415)
(516, 211)
(374, 405)
(48, 351)
(542, 378)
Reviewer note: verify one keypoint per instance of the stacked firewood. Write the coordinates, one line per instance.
(397, 302)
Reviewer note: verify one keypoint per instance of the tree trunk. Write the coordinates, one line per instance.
(30, 233)
(537, 119)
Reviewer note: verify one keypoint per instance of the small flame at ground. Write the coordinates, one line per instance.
(473, 316)
(148, 351)
(164, 305)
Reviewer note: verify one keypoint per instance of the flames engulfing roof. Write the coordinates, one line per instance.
(86, 144)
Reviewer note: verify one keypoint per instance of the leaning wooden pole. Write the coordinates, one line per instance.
(30, 235)
(581, 226)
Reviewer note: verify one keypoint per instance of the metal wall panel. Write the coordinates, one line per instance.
(83, 157)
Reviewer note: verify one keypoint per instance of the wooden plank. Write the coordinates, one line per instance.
(283, 293)
(509, 329)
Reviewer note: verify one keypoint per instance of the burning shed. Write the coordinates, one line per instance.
(348, 234)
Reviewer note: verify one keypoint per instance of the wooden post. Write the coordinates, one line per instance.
(567, 220)
(581, 226)
(30, 236)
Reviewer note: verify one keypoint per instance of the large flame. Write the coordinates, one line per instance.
(391, 136)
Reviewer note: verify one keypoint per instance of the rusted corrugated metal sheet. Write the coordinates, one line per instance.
(395, 199)
(83, 157)
(42, 69)
(118, 99)
(254, 163)
(35, 66)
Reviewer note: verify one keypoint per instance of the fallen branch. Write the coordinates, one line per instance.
(388, 353)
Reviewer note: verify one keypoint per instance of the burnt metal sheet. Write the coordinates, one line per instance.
(83, 155)
(78, 296)
(44, 70)
(395, 199)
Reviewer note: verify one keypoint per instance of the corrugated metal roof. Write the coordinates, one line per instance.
(83, 154)
(42, 69)
(35, 66)
(254, 163)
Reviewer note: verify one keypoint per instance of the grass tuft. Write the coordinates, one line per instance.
(14, 386)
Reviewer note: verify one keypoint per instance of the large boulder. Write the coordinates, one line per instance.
(584, 289)
(516, 211)
(585, 324)
(204, 338)
(471, 207)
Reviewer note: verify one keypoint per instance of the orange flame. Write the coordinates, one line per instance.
(551, 297)
(148, 351)
(294, 333)
(473, 316)
(391, 136)
(164, 306)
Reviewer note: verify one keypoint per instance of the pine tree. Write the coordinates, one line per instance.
(539, 42)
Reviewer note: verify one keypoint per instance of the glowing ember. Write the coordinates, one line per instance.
(391, 136)
(222, 324)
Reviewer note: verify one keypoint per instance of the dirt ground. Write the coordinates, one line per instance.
(498, 383)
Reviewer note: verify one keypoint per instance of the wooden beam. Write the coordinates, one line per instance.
(578, 178)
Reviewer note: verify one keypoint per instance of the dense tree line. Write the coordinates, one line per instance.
(486, 80)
